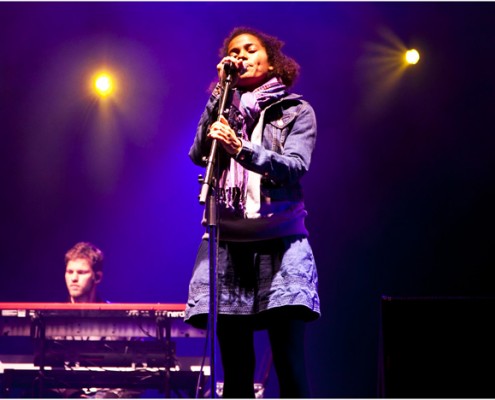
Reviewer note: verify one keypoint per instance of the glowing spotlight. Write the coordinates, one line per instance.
(412, 56)
(103, 85)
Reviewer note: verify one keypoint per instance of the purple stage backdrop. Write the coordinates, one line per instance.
(400, 192)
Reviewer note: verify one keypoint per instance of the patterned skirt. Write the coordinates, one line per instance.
(256, 279)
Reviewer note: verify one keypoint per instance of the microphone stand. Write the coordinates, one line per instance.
(208, 196)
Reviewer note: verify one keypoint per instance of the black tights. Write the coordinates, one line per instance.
(236, 340)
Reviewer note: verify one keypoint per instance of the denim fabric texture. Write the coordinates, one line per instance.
(256, 277)
(289, 137)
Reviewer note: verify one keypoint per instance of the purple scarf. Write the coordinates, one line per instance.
(245, 113)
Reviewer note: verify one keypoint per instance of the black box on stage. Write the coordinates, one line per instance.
(437, 347)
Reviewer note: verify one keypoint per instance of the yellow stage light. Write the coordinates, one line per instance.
(103, 85)
(412, 56)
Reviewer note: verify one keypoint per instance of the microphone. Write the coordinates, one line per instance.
(231, 69)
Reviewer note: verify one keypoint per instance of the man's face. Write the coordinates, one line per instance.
(81, 281)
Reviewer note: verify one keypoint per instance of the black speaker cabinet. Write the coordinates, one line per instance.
(437, 348)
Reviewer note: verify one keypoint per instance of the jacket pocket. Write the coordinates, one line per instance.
(279, 129)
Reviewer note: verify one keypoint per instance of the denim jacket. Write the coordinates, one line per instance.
(284, 156)
(289, 136)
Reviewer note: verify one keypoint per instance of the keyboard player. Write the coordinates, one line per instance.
(83, 274)
(109, 355)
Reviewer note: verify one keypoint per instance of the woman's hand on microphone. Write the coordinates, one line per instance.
(237, 65)
(221, 131)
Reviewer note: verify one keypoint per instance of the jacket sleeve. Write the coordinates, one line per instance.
(289, 165)
(201, 146)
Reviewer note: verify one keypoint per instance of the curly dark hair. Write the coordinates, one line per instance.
(284, 67)
(86, 251)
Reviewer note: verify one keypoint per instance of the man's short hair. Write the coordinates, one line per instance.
(86, 251)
